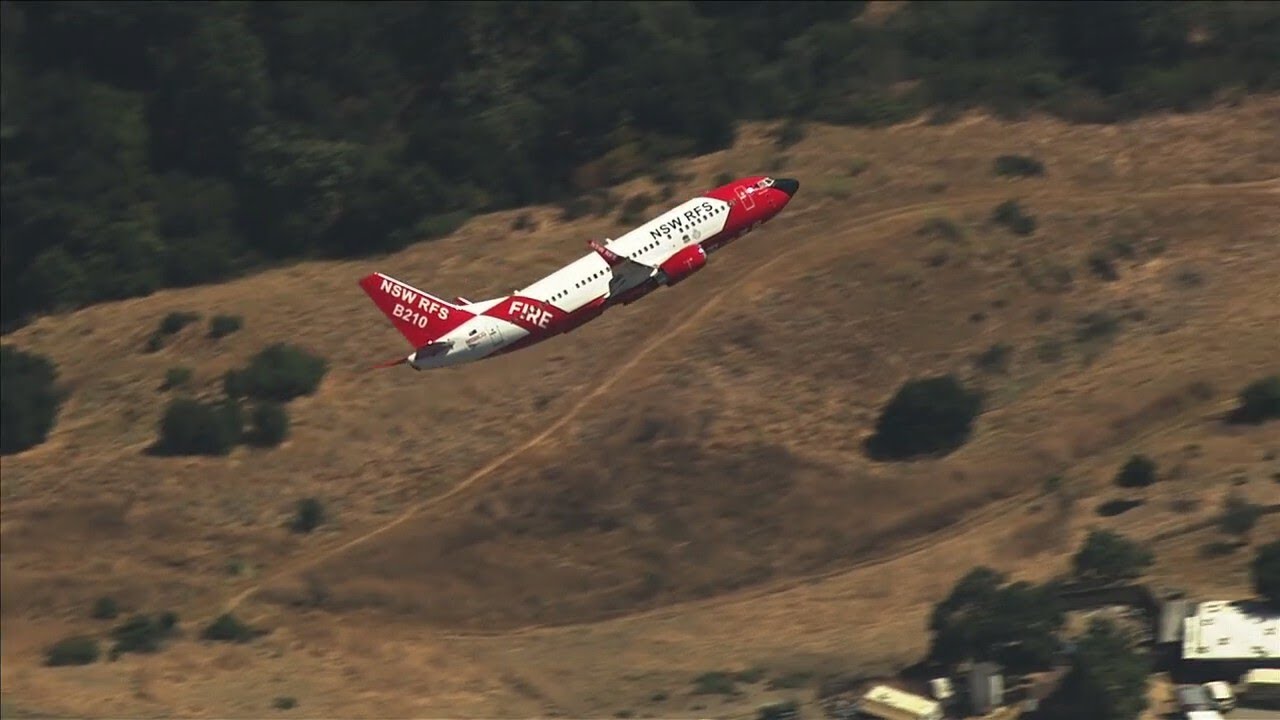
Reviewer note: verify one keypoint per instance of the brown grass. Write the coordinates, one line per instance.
(682, 487)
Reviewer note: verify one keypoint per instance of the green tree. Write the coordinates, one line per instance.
(1107, 679)
(29, 399)
(212, 89)
(987, 618)
(926, 416)
(1265, 570)
(1107, 557)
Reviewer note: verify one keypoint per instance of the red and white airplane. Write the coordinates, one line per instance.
(663, 251)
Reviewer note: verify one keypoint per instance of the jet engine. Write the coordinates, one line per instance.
(682, 264)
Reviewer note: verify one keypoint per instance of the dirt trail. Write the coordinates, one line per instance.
(662, 338)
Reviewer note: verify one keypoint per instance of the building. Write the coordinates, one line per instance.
(1223, 640)
(888, 703)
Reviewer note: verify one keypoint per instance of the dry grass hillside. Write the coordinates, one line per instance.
(583, 527)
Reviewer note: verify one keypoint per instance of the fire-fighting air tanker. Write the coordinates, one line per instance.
(662, 251)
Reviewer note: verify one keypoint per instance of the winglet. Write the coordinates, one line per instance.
(609, 256)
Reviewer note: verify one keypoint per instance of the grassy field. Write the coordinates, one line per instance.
(585, 527)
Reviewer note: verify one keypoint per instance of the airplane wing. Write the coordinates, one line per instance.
(614, 259)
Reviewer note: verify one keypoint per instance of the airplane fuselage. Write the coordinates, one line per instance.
(662, 251)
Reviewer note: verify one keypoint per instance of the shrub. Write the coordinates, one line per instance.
(173, 323)
(227, 628)
(309, 515)
(575, 208)
(1119, 506)
(75, 650)
(790, 132)
(1265, 572)
(142, 633)
(723, 178)
(29, 399)
(1107, 557)
(105, 608)
(1138, 471)
(1010, 214)
(1102, 266)
(282, 372)
(1259, 402)
(995, 358)
(524, 222)
(1238, 515)
(1018, 166)
(1098, 325)
(927, 416)
(714, 683)
(284, 702)
(634, 207)
(176, 377)
(191, 427)
(223, 325)
(270, 424)
(942, 228)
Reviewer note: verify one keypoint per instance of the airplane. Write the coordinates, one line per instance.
(662, 252)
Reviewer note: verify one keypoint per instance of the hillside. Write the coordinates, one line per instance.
(679, 457)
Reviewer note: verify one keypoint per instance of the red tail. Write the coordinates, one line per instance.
(420, 317)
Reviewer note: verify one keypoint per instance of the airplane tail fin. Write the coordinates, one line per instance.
(420, 317)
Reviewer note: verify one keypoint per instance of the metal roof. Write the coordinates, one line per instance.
(1224, 631)
(1172, 613)
(899, 700)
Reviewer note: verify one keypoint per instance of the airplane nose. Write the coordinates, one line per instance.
(787, 185)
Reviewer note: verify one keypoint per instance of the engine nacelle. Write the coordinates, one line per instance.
(683, 264)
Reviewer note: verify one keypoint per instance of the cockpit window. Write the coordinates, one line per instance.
(764, 183)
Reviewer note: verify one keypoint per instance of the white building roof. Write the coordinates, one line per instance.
(899, 700)
(1222, 631)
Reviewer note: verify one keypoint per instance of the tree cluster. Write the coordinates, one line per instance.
(29, 399)
(150, 145)
(274, 376)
